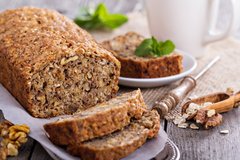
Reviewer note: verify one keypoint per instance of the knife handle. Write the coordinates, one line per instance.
(172, 99)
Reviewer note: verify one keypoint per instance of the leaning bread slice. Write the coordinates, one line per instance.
(100, 120)
(123, 47)
(121, 143)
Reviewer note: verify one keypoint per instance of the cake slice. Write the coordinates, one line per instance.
(121, 143)
(100, 120)
(123, 47)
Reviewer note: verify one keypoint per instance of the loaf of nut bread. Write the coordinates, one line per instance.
(97, 121)
(121, 143)
(51, 66)
(124, 46)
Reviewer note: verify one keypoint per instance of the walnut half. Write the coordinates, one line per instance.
(13, 136)
(213, 121)
(208, 118)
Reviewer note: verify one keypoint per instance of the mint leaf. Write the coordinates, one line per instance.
(114, 21)
(88, 18)
(144, 48)
(100, 18)
(155, 45)
(165, 48)
(151, 47)
(88, 24)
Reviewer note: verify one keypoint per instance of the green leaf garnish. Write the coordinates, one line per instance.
(100, 18)
(145, 48)
(151, 47)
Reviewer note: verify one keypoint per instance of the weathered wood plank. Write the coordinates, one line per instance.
(39, 153)
(24, 151)
(209, 144)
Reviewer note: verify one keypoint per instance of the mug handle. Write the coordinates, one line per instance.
(233, 26)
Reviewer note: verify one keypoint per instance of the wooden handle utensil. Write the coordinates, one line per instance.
(172, 99)
(222, 102)
(210, 108)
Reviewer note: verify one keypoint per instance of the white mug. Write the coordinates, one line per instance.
(189, 24)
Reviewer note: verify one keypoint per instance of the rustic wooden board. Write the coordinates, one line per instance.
(39, 153)
(25, 151)
(209, 144)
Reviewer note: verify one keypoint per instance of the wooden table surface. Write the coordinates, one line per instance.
(212, 144)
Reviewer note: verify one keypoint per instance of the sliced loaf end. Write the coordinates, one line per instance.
(120, 143)
(100, 120)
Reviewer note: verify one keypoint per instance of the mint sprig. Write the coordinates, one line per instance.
(99, 18)
(151, 47)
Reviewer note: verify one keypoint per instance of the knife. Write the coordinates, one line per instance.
(172, 99)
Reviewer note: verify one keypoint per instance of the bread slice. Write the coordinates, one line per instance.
(100, 120)
(52, 66)
(121, 143)
(123, 47)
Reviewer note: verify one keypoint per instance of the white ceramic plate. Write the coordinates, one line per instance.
(189, 64)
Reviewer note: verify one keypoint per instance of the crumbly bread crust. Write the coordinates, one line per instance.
(123, 48)
(50, 65)
(121, 143)
(97, 121)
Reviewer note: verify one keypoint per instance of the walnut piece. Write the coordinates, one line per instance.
(19, 128)
(4, 132)
(201, 116)
(213, 121)
(17, 135)
(3, 153)
(12, 150)
(211, 113)
(193, 108)
(12, 138)
(208, 118)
